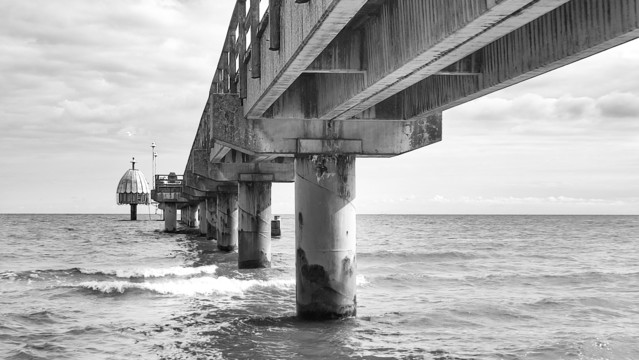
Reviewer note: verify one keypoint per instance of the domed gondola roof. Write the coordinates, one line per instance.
(133, 188)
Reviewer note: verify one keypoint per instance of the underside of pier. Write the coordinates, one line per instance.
(301, 92)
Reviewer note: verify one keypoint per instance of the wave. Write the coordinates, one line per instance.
(8, 275)
(190, 287)
(176, 271)
(568, 276)
(361, 280)
(512, 276)
(410, 256)
(198, 286)
(153, 272)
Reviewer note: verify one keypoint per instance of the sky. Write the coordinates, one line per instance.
(86, 85)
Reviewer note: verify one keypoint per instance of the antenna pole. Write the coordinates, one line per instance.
(153, 156)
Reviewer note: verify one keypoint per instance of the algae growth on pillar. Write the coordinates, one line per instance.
(211, 217)
(227, 221)
(325, 238)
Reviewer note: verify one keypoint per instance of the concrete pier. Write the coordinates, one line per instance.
(227, 236)
(201, 215)
(170, 217)
(254, 249)
(211, 217)
(325, 236)
(341, 80)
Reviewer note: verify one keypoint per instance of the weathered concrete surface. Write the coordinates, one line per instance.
(201, 213)
(227, 236)
(302, 42)
(192, 218)
(573, 31)
(211, 217)
(325, 237)
(257, 171)
(400, 60)
(254, 231)
(363, 137)
(170, 217)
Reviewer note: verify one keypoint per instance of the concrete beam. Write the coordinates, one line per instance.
(218, 151)
(408, 42)
(202, 183)
(374, 138)
(169, 196)
(322, 22)
(254, 172)
(362, 137)
(193, 195)
(566, 35)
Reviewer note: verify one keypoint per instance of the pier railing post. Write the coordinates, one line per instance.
(325, 236)
(256, 54)
(274, 8)
(254, 249)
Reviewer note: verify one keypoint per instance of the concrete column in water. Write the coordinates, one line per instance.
(170, 217)
(134, 211)
(192, 216)
(211, 217)
(254, 249)
(227, 221)
(201, 213)
(325, 236)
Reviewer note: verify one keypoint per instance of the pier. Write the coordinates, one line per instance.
(304, 88)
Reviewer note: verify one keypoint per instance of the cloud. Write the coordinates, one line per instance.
(619, 105)
(88, 84)
(85, 69)
(532, 115)
(549, 200)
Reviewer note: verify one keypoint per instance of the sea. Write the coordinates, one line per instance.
(440, 287)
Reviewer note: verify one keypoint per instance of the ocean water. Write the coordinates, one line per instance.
(429, 287)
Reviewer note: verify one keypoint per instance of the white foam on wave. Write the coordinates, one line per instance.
(155, 272)
(361, 280)
(190, 287)
(8, 275)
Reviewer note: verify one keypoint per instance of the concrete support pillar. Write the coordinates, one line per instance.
(325, 236)
(192, 217)
(134, 211)
(201, 214)
(170, 217)
(211, 217)
(254, 249)
(227, 221)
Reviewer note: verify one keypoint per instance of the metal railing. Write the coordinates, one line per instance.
(171, 180)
